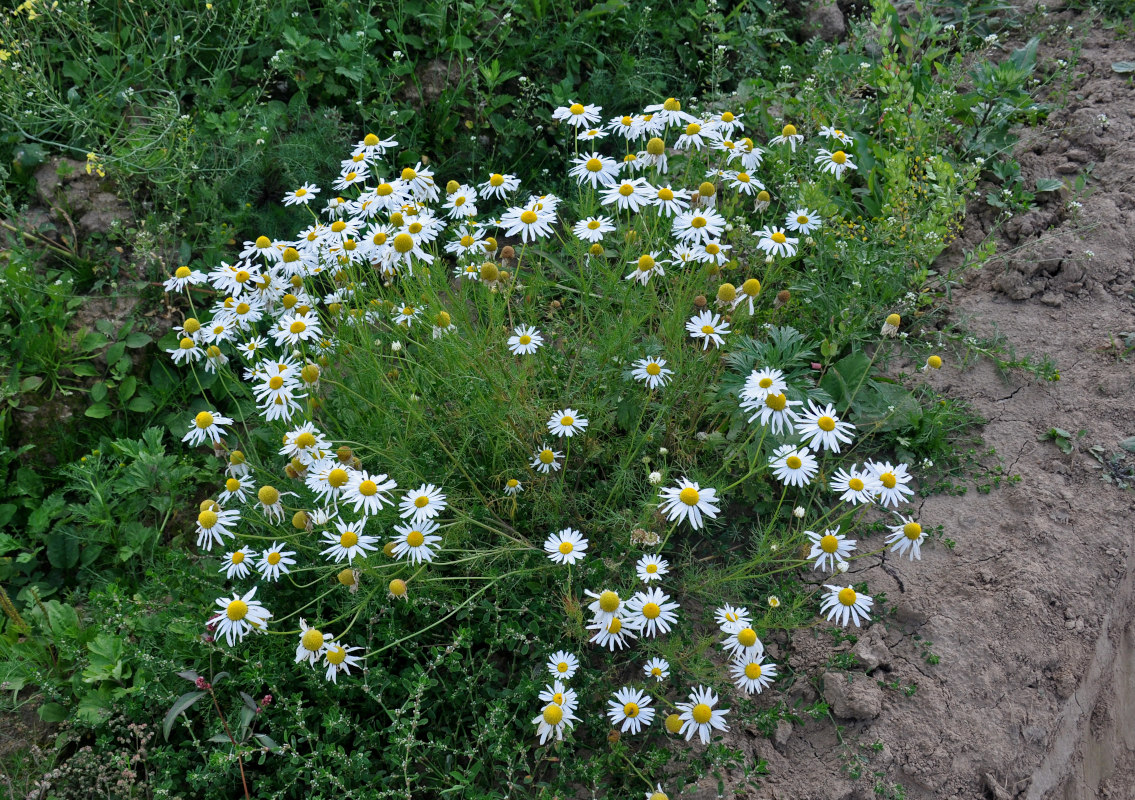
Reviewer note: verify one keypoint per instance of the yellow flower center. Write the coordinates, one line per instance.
(765, 383)
(826, 423)
(707, 329)
(665, 194)
(274, 558)
(203, 420)
(777, 402)
(237, 610)
(237, 557)
(689, 496)
(563, 667)
(779, 237)
(408, 174)
(186, 343)
(403, 243)
(615, 625)
(626, 190)
(182, 272)
(312, 640)
(370, 140)
(653, 369)
(713, 249)
(672, 104)
(829, 544)
(489, 272)
(888, 479)
(608, 601)
(415, 539)
(752, 670)
(347, 577)
(763, 196)
(855, 484)
(415, 227)
(839, 157)
(746, 637)
(630, 710)
(701, 713)
(655, 146)
(727, 116)
(656, 672)
(232, 484)
(242, 276)
(847, 596)
(651, 610)
(496, 179)
(553, 714)
(547, 456)
(397, 587)
(236, 457)
(566, 547)
(693, 129)
(788, 130)
(576, 109)
(912, 530)
(594, 165)
(659, 796)
(567, 422)
(698, 222)
(305, 440)
(707, 189)
(348, 539)
(421, 502)
(367, 488)
(525, 339)
(934, 362)
(793, 462)
(384, 190)
(299, 326)
(673, 724)
(645, 263)
(652, 568)
(336, 655)
(743, 177)
(512, 483)
(528, 217)
(268, 495)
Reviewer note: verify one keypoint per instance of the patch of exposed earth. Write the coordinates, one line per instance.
(1033, 613)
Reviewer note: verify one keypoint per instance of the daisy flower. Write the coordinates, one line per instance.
(606, 604)
(828, 132)
(611, 633)
(578, 115)
(592, 134)
(546, 459)
(731, 619)
(275, 562)
(743, 183)
(566, 422)
(829, 549)
(525, 340)
(462, 203)
(553, 721)
(761, 383)
(339, 659)
(752, 675)
(301, 196)
(559, 694)
(312, 644)
(513, 487)
(651, 568)
(236, 488)
(651, 613)
(652, 372)
(835, 163)
(793, 466)
(630, 708)
(239, 615)
(236, 563)
(893, 482)
(774, 242)
(692, 137)
(593, 229)
(182, 277)
(670, 201)
(206, 425)
(415, 541)
(594, 169)
(698, 226)
(406, 314)
(788, 136)
(214, 523)
(820, 427)
(856, 486)
(529, 225)
(802, 221)
(688, 501)
(657, 668)
(727, 122)
(742, 643)
(499, 186)
(628, 195)
(645, 266)
(907, 536)
(348, 542)
(775, 411)
(699, 715)
(562, 664)
(565, 547)
(423, 503)
(709, 327)
(846, 603)
(368, 492)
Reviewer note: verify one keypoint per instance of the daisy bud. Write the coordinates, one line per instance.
(397, 589)
(396, 347)
(662, 451)
(595, 249)
(798, 512)
(700, 301)
(299, 520)
(842, 566)
(768, 258)
(452, 187)
(934, 362)
(674, 723)
(489, 272)
(555, 304)
(508, 252)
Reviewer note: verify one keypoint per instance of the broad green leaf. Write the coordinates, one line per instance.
(99, 411)
(180, 705)
(52, 712)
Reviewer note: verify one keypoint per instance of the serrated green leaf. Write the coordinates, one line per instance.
(1049, 184)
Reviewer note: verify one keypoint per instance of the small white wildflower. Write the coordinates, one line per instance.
(655, 478)
(798, 512)
(396, 346)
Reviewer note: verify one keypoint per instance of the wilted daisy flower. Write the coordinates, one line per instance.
(830, 548)
(709, 327)
(761, 383)
(415, 541)
(513, 487)
(562, 664)
(566, 547)
(645, 266)
(213, 524)
(270, 502)
(182, 277)
(845, 603)
(546, 459)
(368, 492)
(774, 242)
(731, 619)
(236, 563)
(856, 486)
(186, 351)
(423, 503)
(566, 422)
(701, 225)
(525, 340)
(339, 659)
(742, 642)
(789, 136)
(652, 372)
(752, 675)
(793, 466)
(651, 613)
(312, 644)
(688, 501)
(893, 482)
(236, 488)
(667, 113)
(605, 605)
(630, 708)
(578, 115)
(348, 542)
(275, 561)
(559, 694)
(593, 229)
(651, 568)
(802, 221)
(553, 721)
(240, 614)
(820, 427)
(306, 443)
(611, 633)
(699, 715)
(301, 196)
(206, 425)
(657, 668)
(835, 163)
(829, 132)
(499, 186)
(596, 169)
(907, 536)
